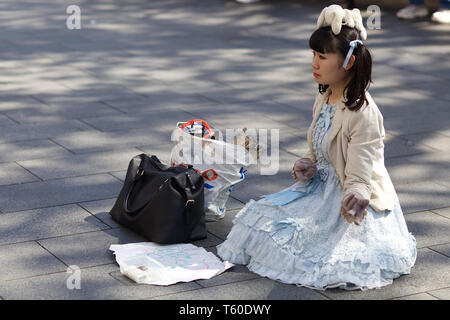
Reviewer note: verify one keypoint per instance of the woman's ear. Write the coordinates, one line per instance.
(351, 62)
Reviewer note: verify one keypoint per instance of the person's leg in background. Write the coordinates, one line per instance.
(415, 9)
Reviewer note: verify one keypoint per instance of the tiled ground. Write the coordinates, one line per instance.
(76, 105)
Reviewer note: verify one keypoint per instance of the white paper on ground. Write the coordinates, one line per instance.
(152, 263)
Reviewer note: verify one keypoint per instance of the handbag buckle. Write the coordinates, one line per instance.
(189, 201)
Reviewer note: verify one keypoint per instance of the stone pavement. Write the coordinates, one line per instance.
(76, 105)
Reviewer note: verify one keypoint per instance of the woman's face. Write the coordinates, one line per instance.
(327, 68)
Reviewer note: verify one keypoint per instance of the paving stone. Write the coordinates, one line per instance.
(81, 164)
(31, 149)
(442, 249)
(58, 192)
(443, 294)
(4, 120)
(419, 296)
(428, 228)
(412, 123)
(421, 196)
(255, 289)
(162, 99)
(11, 173)
(397, 77)
(100, 209)
(434, 140)
(251, 71)
(221, 228)
(158, 120)
(395, 146)
(47, 222)
(89, 249)
(235, 274)
(43, 130)
(210, 241)
(28, 259)
(419, 280)
(89, 141)
(445, 212)
(419, 167)
(96, 283)
(66, 110)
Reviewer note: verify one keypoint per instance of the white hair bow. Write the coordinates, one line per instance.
(335, 16)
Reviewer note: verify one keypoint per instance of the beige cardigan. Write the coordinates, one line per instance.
(356, 150)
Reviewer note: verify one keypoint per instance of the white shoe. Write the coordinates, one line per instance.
(412, 11)
(442, 16)
(247, 1)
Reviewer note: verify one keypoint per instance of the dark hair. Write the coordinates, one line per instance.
(323, 40)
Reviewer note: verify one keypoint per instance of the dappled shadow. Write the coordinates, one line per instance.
(75, 105)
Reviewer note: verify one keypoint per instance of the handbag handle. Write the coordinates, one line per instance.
(131, 184)
(140, 172)
(137, 176)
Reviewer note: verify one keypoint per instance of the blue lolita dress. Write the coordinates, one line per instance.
(299, 236)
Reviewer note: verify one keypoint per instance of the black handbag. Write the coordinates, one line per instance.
(161, 203)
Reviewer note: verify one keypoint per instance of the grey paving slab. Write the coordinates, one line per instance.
(160, 120)
(70, 109)
(12, 173)
(418, 296)
(235, 274)
(442, 294)
(41, 130)
(419, 167)
(164, 97)
(89, 141)
(46, 223)
(30, 149)
(100, 209)
(58, 192)
(4, 120)
(442, 249)
(221, 228)
(421, 196)
(91, 248)
(397, 77)
(210, 241)
(432, 139)
(445, 212)
(255, 289)
(427, 122)
(81, 164)
(232, 64)
(428, 228)
(96, 283)
(396, 146)
(418, 281)
(26, 259)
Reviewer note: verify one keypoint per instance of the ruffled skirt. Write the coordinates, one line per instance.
(307, 242)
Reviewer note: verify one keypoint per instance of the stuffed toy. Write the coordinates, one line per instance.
(335, 16)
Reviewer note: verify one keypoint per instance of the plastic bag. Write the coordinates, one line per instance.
(222, 164)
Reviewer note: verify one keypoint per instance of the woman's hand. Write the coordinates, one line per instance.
(353, 207)
(304, 169)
